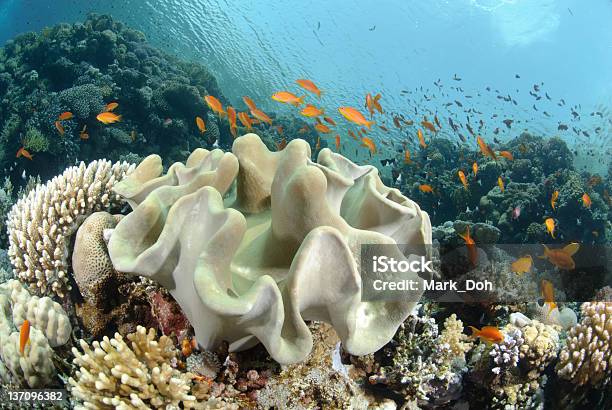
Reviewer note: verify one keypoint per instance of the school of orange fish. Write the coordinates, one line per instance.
(561, 258)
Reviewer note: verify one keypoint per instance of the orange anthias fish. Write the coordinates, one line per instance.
(407, 159)
(369, 104)
(231, 117)
(281, 145)
(369, 144)
(309, 86)
(245, 120)
(108, 118)
(24, 336)
(471, 246)
(586, 200)
(311, 111)
(421, 138)
(550, 226)
(354, 116)
(260, 115)
(522, 265)
(22, 152)
(249, 103)
(84, 135)
(475, 168)
(561, 258)
(214, 104)
(428, 125)
(329, 121)
(352, 135)
(548, 293)
(553, 199)
(337, 142)
(425, 188)
(490, 334)
(111, 106)
(200, 124)
(500, 183)
(286, 97)
(65, 116)
(322, 128)
(463, 179)
(60, 128)
(280, 130)
(507, 154)
(485, 149)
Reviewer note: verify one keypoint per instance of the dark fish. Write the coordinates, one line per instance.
(517, 76)
(562, 102)
(452, 124)
(458, 103)
(372, 28)
(488, 88)
(461, 137)
(496, 131)
(570, 11)
(534, 107)
(470, 130)
(496, 140)
(533, 94)
(547, 96)
(562, 127)
(586, 134)
(456, 78)
(545, 113)
(386, 162)
(448, 104)
(575, 114)
(536, 88)
(508, 122)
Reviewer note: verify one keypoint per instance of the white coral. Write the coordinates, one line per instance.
(41, 223)
(114, 374)
(285, 249)
(587, 357)
(49, 327)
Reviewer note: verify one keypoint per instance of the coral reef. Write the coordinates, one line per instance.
(258, 273)
(80, 68)
(41, 223)
(138, 373)
(587, 356)
(513, 372)
(421, 364)
(49, 328)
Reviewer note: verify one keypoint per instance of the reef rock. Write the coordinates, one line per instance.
(282, 248)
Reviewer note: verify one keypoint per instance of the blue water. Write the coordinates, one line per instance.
(351, 47)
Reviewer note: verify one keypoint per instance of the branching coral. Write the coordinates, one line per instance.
(291, 255)
(423, 365)
(138, 374)
(514, 370)
(50, 327)
(587, 357)
(41, 223)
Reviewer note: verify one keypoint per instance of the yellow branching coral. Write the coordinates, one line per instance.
(587, 357)
(40, 224)
(136, 375)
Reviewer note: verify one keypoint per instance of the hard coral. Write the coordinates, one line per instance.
(41, 223)
(50, 327)
(258, 273)
(587, 357)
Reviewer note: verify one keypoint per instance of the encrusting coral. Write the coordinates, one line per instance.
(288, 249)
(49, 327)
(41, 223)
(587, 356)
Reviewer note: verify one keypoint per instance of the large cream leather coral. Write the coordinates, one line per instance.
(253, 261)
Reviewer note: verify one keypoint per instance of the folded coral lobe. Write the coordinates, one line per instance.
(282, 250)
